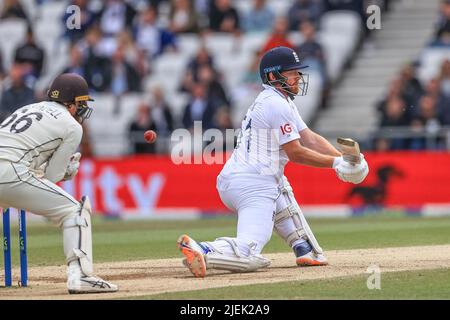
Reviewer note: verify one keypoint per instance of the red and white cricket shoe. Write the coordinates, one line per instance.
(195, 259)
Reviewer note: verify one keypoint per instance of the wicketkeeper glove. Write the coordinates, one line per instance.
(72, 167)
(351, 173)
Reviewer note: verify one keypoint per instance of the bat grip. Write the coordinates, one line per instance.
(353, 160)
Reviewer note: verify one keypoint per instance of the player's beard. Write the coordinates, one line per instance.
(292, 89)
(78, 119)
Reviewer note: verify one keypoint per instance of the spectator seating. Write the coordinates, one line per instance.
(232, 56)
(280, 8)
(342, 22)
(430, 62)
(52, 10)
(30, 8)
(12, 34)
(339, 36)
(109, 130)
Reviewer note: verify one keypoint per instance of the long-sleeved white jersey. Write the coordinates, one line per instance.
(40, 133)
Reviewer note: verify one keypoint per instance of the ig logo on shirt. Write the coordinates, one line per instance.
(286, 128)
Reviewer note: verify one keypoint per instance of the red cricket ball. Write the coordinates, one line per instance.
(150, 136)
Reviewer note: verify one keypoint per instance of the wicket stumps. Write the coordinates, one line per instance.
(22, 246)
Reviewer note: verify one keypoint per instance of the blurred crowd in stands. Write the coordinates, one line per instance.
(118, 42)
(419, 107)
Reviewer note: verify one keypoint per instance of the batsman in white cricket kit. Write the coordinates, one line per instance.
(38, 144)
(252, 182)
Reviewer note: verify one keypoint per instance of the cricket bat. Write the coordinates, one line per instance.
(350, 150)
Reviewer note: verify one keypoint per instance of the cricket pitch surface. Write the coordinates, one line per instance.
(148, 277)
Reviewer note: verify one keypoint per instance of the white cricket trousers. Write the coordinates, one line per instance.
(255, 199)
(22, 190)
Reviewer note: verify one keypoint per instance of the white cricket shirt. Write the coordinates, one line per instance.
(271, 121)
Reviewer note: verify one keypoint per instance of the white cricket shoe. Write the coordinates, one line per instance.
(305, 256)
(311, 259)
(77, 283)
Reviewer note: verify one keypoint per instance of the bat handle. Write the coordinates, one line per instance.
(353, 160)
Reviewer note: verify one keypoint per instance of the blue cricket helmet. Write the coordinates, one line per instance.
(277, 60)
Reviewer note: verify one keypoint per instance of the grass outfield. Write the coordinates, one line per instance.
(116, 240)
(133, 240)
(424, 284)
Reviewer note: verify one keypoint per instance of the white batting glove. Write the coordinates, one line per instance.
(351, 173)
(72, 167)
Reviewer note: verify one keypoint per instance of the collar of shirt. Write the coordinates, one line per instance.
(266, 86)
(57, 104)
